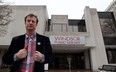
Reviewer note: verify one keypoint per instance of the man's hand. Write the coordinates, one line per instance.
(37, 56)
(21, 53)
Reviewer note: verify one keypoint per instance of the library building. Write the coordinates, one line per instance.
(85, 43)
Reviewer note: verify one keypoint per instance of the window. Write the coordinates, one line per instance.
(111, 54)
(77, 26)
(59, 28)
(108, 27)
(107, 22)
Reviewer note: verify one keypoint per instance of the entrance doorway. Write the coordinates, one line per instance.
(61, 61)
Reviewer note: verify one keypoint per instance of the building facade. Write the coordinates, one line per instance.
(85, 43)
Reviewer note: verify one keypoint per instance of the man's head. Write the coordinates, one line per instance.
(32, 15)
(31, 22)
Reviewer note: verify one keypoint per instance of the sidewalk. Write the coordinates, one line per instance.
(6, 70)
(70, 71)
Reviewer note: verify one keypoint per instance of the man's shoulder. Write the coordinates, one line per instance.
(40, 35)
(19, 36)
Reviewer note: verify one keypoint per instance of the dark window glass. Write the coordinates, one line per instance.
(105, 15)
(108, 27)
(111, 55)
(47, 27)
(79, 23)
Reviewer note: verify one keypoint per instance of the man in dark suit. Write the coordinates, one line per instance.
(29, 52)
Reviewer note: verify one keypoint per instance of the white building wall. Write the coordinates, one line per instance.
(97, 53)
(17, 26)
(90, 40)
(111, 6)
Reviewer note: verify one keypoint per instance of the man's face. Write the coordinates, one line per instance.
(30, 23)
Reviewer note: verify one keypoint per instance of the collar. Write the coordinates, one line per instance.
(32, 36)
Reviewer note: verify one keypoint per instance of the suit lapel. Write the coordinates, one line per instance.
(22, 41)
(39, 43)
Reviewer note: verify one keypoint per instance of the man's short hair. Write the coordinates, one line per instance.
(32, 15)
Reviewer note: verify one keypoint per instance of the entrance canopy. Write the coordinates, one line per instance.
(71, 48)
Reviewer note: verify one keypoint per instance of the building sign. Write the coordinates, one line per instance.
(67, 39)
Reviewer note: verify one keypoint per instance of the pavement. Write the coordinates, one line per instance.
(7, 70)
(70, 71)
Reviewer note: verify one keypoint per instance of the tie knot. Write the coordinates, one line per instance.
(30, 38)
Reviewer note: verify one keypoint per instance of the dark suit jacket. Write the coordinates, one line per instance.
(17, 43)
